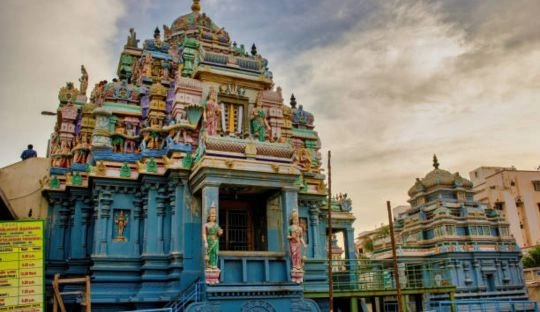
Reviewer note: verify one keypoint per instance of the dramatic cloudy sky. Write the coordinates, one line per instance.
(390, 82)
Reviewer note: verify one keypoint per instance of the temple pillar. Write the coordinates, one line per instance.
(86, 222)
(289, 202)
(150, 236)
(350, 255)
(210, 196)
(177, 216)
(58, 223)
(478, 273)
(103, 213)
(77, 230)
(314, 235)
(161, 197)
(138, 215)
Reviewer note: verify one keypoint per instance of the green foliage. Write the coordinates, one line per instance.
(382, 232)
(367, 245)
(532, 259)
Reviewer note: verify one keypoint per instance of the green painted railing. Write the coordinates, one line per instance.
(372, 276)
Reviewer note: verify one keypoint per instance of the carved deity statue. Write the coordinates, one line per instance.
(212, 113)
(146, 64)
(296, 241)
(259, 124)
(211, 233)
(121, 223)
(83, 80)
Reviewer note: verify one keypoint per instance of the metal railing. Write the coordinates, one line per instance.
(373, 275)
(486, 306)
(192, 294)
(153, 310)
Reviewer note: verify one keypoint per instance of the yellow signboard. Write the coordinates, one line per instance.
(21, 266)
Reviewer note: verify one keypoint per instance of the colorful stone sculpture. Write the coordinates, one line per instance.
(295, 235)
(212, 113)
(191, 118)
(211, 233)
(83, 80)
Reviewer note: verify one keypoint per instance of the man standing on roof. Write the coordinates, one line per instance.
(28, 153)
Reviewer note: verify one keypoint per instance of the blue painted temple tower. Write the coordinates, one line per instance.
(468, 243)
(191, 133)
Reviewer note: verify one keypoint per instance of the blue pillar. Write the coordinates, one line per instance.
(103, 213)
(274, 224)
(86, 221)
(289, 202)
(177, 215)
(56, 229)
(161, 197)
(350, 255)
(137, 217)
(77, 240)
(192, 222)
(314, 235)
(210, 196)
(150, 223)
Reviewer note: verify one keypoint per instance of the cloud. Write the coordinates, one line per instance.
(390, 82)
(43, 47)
(418, 80)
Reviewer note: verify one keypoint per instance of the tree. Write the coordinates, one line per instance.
(532, 259)
(367, 245)
(382, 232)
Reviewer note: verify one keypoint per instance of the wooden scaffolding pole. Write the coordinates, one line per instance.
(394, 256)
(329, 234)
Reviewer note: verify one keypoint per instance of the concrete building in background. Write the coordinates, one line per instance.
(516, 193)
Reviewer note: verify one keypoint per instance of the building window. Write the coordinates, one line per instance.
(450, 230)
(536, 185)
(498, 206)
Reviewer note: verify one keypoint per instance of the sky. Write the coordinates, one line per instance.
(390, 82)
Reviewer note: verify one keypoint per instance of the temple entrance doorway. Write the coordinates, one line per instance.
(243, 216)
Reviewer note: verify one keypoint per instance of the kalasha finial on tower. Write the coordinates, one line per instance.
(196, 6)
(435, 162)
(293, 101)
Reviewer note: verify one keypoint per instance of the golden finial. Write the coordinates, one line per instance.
(435, 162)
(196, 6)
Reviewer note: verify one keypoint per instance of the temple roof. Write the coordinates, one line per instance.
(197, 24)
(438, 177)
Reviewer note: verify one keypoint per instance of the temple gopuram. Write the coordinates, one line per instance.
(465, 244)
(187, 180)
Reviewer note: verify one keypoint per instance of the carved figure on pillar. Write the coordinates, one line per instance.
(211, 233)
(296, 242)
(121, 223)
(212, 113)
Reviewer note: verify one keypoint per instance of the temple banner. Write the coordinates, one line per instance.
(21, 266)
